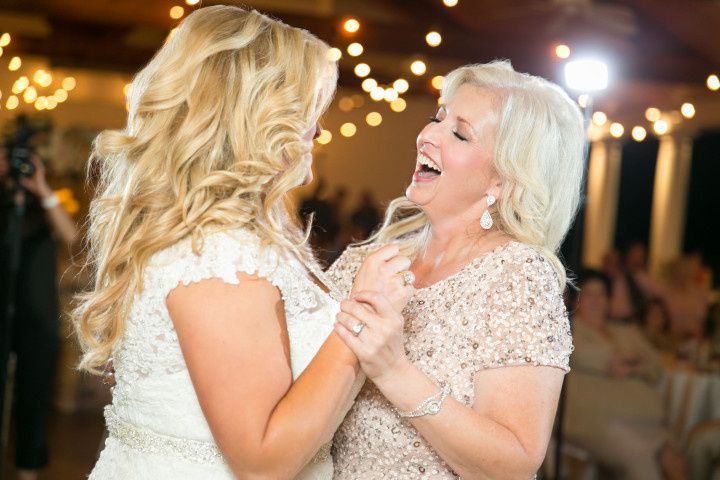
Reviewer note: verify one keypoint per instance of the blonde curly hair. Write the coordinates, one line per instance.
(213, 140)
(538, 155)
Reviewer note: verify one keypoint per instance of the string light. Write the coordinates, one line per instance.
(348, 129)
(440, 100)
(616, 130)
(60, 95)
(713, 82)
(390, 94)
(1, 51)
(688, 110)
(171, 34)
(433, 39)
(437, 81)
(377, 93)
(334, 54)
(362, 70)
(638, 133)
(661, 127)
(51, 103)
(652, 114)
(351, 25)
(192, 3)
(15, 64)
(358, 100)
(418, 67)
(41, 103)
(368, 84)
(583, 100)
(69, 83)
(373, 119)
(450, 3)
(39, 75)
(355, 49)
(401, 85)
(5, 40)
(12, 102)
(346, 104)
(599, 118)
(30, 94)
(398, 105)
(46, 80)
(177, 12)
(20, 85)
(562, 51)
(325, 137)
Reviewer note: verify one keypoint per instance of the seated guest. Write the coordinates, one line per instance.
(687, 301)
(656, 325)
(613, 408)
(627, 301)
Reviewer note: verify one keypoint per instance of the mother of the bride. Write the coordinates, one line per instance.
(469, 384)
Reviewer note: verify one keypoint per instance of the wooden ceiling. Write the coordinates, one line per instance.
(670, 42)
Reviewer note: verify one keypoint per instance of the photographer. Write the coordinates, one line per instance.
(36, 320)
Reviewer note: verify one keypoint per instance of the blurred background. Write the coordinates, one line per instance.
(646, 247)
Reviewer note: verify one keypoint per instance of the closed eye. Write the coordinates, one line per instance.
(434, 119)
(460, 137)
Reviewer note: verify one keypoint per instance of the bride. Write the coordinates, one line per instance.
(218, 321)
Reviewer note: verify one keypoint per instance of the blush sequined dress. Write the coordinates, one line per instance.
(503, 309)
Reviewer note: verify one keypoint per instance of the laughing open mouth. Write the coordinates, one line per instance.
(427, 168)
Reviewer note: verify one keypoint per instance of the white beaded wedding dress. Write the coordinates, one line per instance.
(156, 427)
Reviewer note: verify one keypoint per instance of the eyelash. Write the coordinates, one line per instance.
(457, 135)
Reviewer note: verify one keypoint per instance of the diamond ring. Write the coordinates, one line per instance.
(357, 328)
(408, 277)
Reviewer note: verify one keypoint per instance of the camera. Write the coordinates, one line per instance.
(19, 150)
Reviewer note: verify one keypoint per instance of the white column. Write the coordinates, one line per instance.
(603, 189)
(667, 224)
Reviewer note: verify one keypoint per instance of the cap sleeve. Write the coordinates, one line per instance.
(526, 316)
(222, 255)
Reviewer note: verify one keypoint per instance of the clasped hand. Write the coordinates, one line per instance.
(370, 321)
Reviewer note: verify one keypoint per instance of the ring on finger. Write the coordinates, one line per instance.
(357, 328)
(408, 277)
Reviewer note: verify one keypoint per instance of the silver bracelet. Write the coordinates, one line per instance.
(431, 406)
(51, 201)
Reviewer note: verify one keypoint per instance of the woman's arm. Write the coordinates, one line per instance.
(62, 224)
(234, 341)
(505, 433)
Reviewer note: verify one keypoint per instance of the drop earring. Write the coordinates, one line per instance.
(486, 221)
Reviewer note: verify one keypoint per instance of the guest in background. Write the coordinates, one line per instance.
(36, 321)
(365, 218)
(613, 408)
(627, 302)
(656, 325)
(687, 301)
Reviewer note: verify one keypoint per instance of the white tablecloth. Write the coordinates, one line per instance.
(692, 397)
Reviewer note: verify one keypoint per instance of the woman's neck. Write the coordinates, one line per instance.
(452, 245)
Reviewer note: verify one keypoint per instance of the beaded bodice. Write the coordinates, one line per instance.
(503, 309)
(154, 396)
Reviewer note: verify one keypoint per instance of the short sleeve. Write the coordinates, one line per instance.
(342, 272)
(526, 316)
(222, 255)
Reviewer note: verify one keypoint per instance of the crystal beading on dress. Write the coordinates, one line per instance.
(157, 428)
(503, 309)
